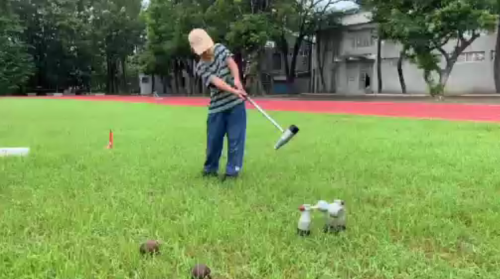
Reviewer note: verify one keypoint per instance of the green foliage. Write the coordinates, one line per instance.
(238, 24)
(426, 27)
(15, 64)
(249, 33)
(245, 26)
(428, 61)
(76, 43)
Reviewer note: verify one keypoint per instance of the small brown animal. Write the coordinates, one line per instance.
(151, 247)
(201, 271)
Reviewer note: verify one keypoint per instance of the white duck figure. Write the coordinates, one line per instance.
(304, 225)
(337, 218)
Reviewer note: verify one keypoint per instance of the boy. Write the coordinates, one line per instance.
(227, 112)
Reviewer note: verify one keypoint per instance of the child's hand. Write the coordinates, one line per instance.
(242, 94)
(238, 85)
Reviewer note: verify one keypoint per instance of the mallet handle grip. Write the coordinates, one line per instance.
(265, 114)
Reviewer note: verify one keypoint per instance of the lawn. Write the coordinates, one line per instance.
(423, 196)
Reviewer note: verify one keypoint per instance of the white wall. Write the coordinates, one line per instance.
(469, 75)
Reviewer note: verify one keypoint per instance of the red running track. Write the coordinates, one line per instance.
(463, 112)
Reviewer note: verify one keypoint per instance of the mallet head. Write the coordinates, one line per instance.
(322, 206)
(286, 136)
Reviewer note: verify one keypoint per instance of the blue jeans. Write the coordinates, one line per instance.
(232, 122)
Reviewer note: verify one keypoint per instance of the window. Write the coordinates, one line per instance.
(471, 56)
(492, 55)
(476, 56)
(276, 61)
(468, 34)
(359, 42)
(144, 79)
(305, 61)
(362, 40)
(393, 61)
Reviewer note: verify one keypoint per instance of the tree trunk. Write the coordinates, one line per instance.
(164, 82)
(379, 64)
(152, 84)
(320, 55)
(254, 75)
(437, 90)
(256, 86)
(175, 87)
(283, 44)
(238, 58)
(191, 83)
(108, 80)
(400, 71)
(112, 76)
(178, 81)
(443, 77)
(496, 68)
(124, 74)
(293, 63)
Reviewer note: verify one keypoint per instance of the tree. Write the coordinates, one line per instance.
(168, 22)
(427, 27)
(401, 58)
(15, 63)
(379, 63)
(328, 27)
(167, 51)
(496, 66)
(117, 29)
(299, 19)
(79, 43)
(248, 35)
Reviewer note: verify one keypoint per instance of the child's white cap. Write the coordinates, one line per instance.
(200, 41)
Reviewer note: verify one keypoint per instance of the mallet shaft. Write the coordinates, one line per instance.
(266, 115)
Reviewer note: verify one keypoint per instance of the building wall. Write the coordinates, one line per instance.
(473, 73)
(146, 84)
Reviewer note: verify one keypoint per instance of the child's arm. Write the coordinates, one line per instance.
(208, 79)
(231, 64)
(233, 67)
(222, 85)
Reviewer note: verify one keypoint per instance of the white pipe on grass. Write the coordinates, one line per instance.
(14, 151)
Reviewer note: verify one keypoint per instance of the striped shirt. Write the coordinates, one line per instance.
(219, 100)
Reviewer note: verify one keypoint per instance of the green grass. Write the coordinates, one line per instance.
(423, 196)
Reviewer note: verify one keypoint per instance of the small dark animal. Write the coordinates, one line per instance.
(201, 271)
(151, 247)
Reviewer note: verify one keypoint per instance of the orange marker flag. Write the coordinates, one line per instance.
(110, 143)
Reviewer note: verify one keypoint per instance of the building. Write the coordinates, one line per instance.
(348, 54)
(273, 67)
